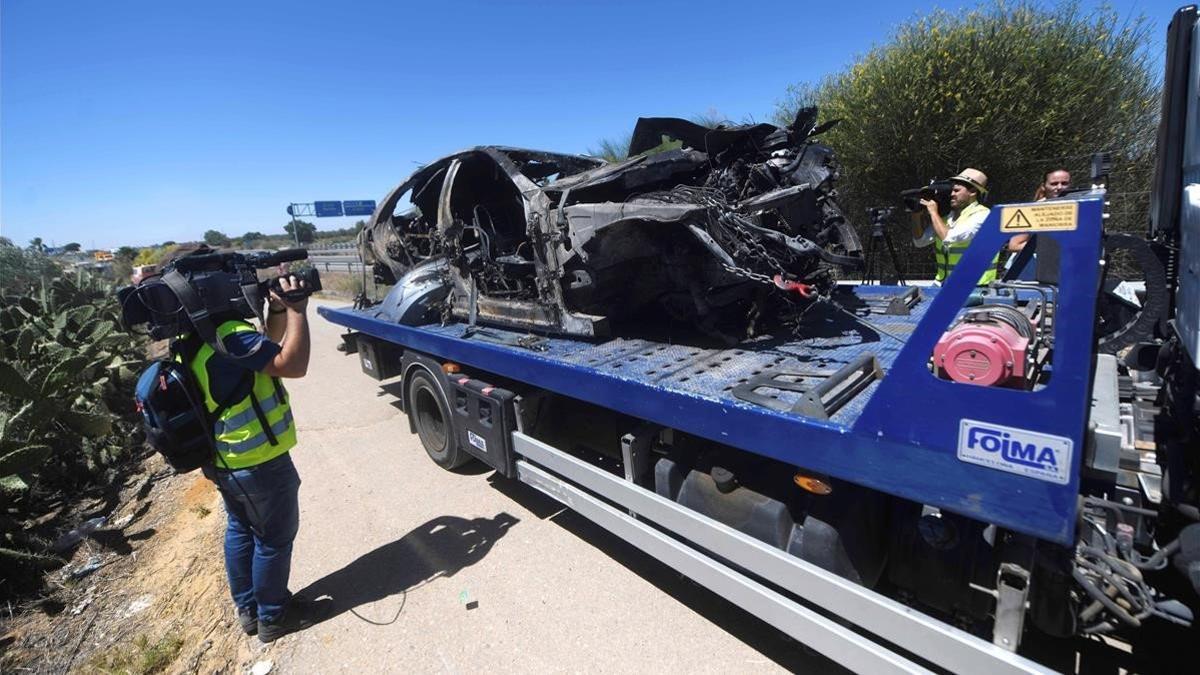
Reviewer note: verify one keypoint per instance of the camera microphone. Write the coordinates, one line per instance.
(264, 260)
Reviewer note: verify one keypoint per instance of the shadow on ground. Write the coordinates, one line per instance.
(438, 548)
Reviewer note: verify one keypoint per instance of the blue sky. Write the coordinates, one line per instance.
(138, 122)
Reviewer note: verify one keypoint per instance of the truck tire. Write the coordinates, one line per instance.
(430, 415)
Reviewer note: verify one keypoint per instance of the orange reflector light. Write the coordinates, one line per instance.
(813, 485)
(451, 368)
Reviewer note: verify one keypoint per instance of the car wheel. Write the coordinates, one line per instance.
(431, 416)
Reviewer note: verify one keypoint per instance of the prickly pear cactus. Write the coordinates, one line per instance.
(66, 417)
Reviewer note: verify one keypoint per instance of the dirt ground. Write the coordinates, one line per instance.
(158, 601)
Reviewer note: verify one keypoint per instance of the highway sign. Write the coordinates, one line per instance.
(358, 207)
(327, 209)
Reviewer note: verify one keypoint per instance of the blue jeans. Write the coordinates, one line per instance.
(263, 506)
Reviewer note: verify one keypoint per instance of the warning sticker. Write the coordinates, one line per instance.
(1040, 217)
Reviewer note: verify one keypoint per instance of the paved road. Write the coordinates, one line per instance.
(400, 544)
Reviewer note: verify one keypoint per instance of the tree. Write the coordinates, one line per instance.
(216, 238)
(122, 264)
(21, 270)
(72, 247)
(306, 230)
(252, 236)
(1012, 89)
(151, 255)
(36, 244)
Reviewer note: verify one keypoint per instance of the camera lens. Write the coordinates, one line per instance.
(158, 298)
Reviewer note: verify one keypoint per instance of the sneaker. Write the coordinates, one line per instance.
(248, 620)
(298, 615)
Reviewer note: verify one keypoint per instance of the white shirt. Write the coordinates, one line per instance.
(961, 228)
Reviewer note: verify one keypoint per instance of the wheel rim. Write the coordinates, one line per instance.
(431, 424)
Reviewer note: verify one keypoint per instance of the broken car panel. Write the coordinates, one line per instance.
(709, 226)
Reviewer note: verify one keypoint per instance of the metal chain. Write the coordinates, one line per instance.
(818, 299)
(751, 244)
(726, 227)
(752, 276)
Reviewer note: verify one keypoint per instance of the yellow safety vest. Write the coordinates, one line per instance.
(949, 255)
(241, 440)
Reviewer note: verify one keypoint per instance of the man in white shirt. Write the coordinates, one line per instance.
(952, 235)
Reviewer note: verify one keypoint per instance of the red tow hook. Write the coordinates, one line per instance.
(803, 290)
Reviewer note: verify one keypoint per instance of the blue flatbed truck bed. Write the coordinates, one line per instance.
(898, 435)
(899, 430)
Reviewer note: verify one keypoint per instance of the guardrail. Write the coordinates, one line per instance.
(341, 246)
(350, 266)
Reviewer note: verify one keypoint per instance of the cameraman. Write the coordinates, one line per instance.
(951, 236)
(253, 470)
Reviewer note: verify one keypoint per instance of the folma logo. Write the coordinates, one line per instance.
(1011, 449)
(1021, 451)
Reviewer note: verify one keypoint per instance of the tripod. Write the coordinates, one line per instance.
(880, 237)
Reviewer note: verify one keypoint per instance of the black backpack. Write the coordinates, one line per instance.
(177, 422)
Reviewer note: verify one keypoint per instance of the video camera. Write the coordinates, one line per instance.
(880, 214)
(207, 283)
(937, 190)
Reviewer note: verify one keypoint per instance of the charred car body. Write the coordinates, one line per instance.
(724, 228)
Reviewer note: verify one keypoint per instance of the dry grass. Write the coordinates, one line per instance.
(141, 657)
(344, 285)
(341, 284)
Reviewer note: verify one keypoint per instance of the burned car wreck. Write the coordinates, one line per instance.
(725, 229)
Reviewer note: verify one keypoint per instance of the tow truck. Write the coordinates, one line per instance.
(941, 480)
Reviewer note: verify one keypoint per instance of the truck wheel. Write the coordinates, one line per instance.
(431, 417)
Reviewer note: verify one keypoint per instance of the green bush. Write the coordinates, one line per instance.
(1013, 90)
(66, 415)
(23, 270)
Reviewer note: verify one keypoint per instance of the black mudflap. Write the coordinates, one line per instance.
(484, 419)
